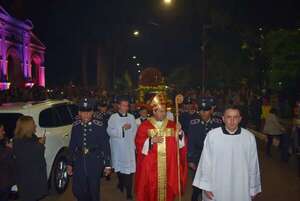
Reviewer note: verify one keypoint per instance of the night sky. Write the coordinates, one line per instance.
(170, 37)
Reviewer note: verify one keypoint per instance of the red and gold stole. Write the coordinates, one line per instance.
(163, 131)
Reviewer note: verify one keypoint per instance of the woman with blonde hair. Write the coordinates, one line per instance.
(31, 173)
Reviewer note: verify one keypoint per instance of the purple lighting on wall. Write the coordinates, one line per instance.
(21, 54)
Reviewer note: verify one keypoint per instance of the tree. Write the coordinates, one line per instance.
(123, 83)
(182, 77)
(227, 63)
(282, 50)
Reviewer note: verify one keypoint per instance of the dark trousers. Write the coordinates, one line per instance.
(4, 194)
(196, 193)
(120, 180)
(283, 145)
(125, 181)
(89, 190)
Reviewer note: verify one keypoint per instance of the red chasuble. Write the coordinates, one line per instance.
(157, 172)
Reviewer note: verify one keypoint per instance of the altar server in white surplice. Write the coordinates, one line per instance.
(122, 130)
(228, 169)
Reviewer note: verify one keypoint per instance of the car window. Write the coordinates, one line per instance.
(9, 121)
(49, 118)
(58, 115)
(64, 114)
(74, 110)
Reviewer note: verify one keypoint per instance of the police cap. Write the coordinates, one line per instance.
(86, 105)
(205, 104)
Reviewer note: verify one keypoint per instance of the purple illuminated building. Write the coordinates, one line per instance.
(21, 53)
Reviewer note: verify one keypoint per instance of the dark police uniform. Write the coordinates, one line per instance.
(217, 114)
(89, 155)
(198, 130)
(186, 117)
(104, 116)
(134, 112)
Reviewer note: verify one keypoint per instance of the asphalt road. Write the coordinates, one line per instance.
(280, 182)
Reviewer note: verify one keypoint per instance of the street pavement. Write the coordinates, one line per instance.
(280, 182)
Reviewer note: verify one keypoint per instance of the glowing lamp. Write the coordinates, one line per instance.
(167, 2)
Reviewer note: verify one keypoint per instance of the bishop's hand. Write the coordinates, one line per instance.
(157, 139)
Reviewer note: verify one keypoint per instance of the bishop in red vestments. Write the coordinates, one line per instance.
(158, 174)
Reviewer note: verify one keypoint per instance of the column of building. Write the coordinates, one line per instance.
(42, 76)
(3, 58)
(26, 57)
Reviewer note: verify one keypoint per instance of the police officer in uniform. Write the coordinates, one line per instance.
(102, 110)
(113, 106)
(102, 113)
(198, 129)
(217, 114)
(189, 113)
(89, 153)
(133, 108)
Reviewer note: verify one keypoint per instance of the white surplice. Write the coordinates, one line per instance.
(229, 166)
(122, 143)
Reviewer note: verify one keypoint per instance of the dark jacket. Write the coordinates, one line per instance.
(197, 133)
(185, 119)
(7, 166)
(30, 168)
(93, 137)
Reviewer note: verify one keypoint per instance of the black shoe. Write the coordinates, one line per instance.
(129, 197)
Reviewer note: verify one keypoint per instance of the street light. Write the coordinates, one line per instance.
(167, 2)
(134, 57)
(138, 64)
(136, 33)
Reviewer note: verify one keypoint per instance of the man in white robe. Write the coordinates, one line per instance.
(228, 169)
(122, 130)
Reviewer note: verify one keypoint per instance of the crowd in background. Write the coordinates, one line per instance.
(272, 114)
(255, 105)
(252, 102)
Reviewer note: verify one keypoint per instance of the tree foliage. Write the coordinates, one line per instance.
(282, 49)
(184, 76)
(123, 82)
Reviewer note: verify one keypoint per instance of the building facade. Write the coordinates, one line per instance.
(21, 53)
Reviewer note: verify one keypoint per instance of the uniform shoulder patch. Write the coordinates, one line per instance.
(98, 122)
(195, 121)
(217, 120)
(76, 122)
(98, 115)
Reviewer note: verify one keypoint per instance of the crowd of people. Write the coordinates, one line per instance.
(115, 134)
(250, 101)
